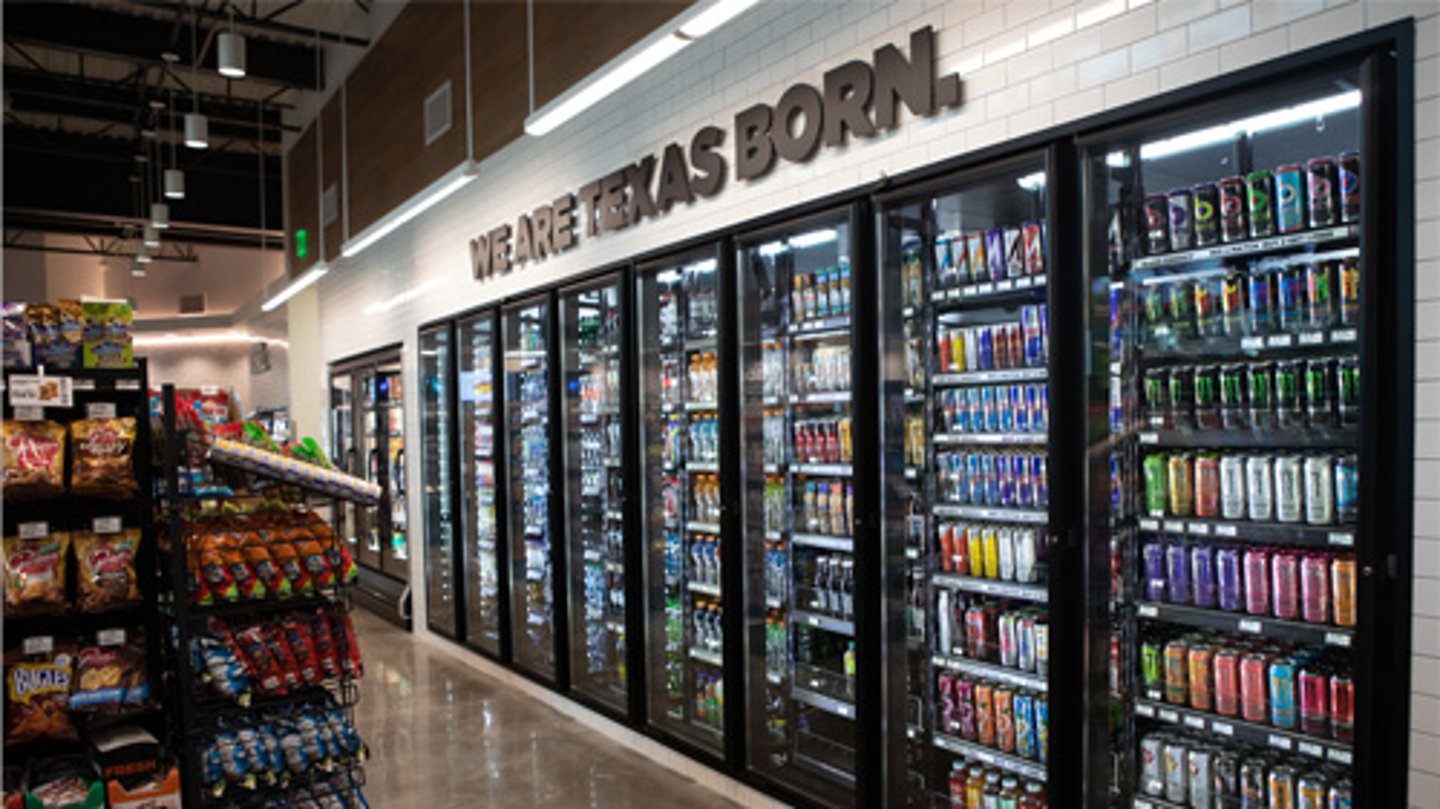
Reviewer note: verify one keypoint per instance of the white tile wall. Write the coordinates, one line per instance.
(1029, 64)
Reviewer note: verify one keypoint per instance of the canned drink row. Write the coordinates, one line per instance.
(1193, 771)
(1318, 489)
(990, 255)
(1303, 689)
(1291, 394)
(1316, 587)
(1022, 343)
(999, 479)
(1010, 720)
(1325, 191)
(994, 409)
(975, 786)
(993, 631)
(989, 551)
(825, 439)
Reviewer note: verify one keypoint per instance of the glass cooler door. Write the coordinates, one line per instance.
(799, 444)
(527, 406)
(342, 452)
(436, 402)
(680, 496)
(1224, 246)
(393, 528)
(484, 611)
(595, 531)
(369, 454)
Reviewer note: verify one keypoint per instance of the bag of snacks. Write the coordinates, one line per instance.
(105, 570)
(34, 459)
(108, 342)
(35, 573)
(16, 337)
(211, 566)
(104, 457)
(284, 553)
(257, 555)
(247, 583)
(111, 673)
(37, 695)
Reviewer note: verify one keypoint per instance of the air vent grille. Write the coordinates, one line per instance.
(192, 304)
(329, 205)
(437, 113)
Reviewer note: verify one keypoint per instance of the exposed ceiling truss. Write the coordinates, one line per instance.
(103, 246)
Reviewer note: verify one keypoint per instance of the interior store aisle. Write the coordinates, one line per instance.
(442, 734)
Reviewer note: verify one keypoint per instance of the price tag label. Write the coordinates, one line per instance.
(937, 296)
(1149, 439)
(954, 295)
(1280, 340)
(1252, 343)
(1312, 338)
(29, 414)
(110, 637)
(1145, 711)
(1337, 639)
(1249, 625)
(1195, 722)
(1312, 749)
(1223, 728)
(1150, 525)
(1169, 716)
(39, 645)
(1343, 336)
(813, 620)
(1004, 286)
(1341, 538)
(1279, 742)
(100, 410)
(1225, 531)
(1201, 528)
(1147, 611)
(106, 525)
(1175, 526)
(33, 530)
(985, 288)
(127, 384)
(82, 384)
(1340, 756)
(1156, 524)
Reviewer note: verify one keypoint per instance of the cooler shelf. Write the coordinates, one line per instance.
(1250, 732)
(991, 757)
(1336, 536)
(1246, 624)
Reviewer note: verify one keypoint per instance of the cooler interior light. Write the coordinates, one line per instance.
(1254, 125)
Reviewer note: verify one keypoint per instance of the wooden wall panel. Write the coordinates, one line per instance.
(500, 73)
(332, 165)
(387, 157)
(302, 200)
(573, 39)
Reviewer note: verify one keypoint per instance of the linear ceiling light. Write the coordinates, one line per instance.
(713, 17)
(295, 287)
(1254, 125)
(452, 181)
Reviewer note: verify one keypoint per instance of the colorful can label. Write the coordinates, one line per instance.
(1226, 667)
(1182, 219)
(1347, 489)
(1177, 573)
(1314, 688)
(1201, 677)
(1320, 294)
(1315, 588)
(1342, 708)
(1157, 224)
(1228, 574)
(1177, 672)
(1202, 575)
(1257, 581)
(1350, 186)
(1232, 487)
(1289, 199)
(1320, 182)
(1207, 214)
(995, 255)
(1289, 488)
(1207, 486)
(1025, 726)
(1258, 302)
(1233, 222)
(1254, 676)
(1034, 248)
(1014, 253)
(1259, 493)
(1285, 585)
(1260, 203)
(1153, 560)
(1282, 693)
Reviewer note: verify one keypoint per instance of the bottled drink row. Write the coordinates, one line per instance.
(983, 255)
(702, 372)
(709, 621)
(827, 507)
(820, 294)
(989, 551)
(1022, 343)
(1010, 720)
(705, 560)
(833, 592)
(994, 409)
(1322, 392)
(993, 632)
(1272, 296)
(1319, 489)
(1191, 770)
(1316, 587)
(705, 498)
(709, 699)
(1001, 479)
(1261, 204)
(816, 367)
(974, 786)
(1292, 688)
(824, 439)
(598, 391)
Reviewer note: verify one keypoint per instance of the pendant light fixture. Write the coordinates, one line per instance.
(151, 236)
(197, 129)
(174, 177)
(230, 52)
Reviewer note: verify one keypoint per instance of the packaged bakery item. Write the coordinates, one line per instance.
(35, 573)
(104, 457)
(108, 339)
(105, 570)
(37, 692)
(17, 352)
(34, 462)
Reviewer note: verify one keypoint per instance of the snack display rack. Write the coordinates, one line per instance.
(81, 576)
(238, 721)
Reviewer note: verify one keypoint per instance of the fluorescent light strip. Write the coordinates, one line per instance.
(1032, 182)
(294, 288)
(453, 181)
(611, 78)
(715, 16)
(219, 338)
(813, 238)
(1254, 125)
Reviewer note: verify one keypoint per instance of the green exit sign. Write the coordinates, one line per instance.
(302, 243)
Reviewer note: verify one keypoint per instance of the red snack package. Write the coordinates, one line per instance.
(316, 565)
(247, 582)
(212, 569)
(275, 641)
(324, 643)
(257, 554)
(283, 551)
(264, 668)
(347, 644)
(302, 645)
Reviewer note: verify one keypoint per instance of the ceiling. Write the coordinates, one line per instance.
(95, 94)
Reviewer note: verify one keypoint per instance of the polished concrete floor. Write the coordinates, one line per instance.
(442, 734)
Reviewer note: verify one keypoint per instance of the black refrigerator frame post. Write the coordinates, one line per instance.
(451, 405)
(1380, 655)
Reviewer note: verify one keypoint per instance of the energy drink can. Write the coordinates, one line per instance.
(979, 269)
(1319, 294)
(1156, 484)
(1014, 253)
(1207, 292)
(1232, 305)
(1319, 392)
(1202, 575)
(1004, 719)
(1228, 574)
(1310, 791)
(1040, 410)
(1319, 490)
(1347, 390)
(1342, 590)
(990, 545)
(1289, 198)
(1152, 764)
(1233, 227)
(1152, 666)
(1042, 728)
(1349, 186)
(1254, 675)
(989, 421)
(984, 349)
(985, 714)
(995, 255)
(1204, 388)
(1232, 487)
(1207, 486)
(1282, 692)
(1152, 310)
(1287, 393)
(1040, 480)
(1320, 182)
(1153, 560)
(1347, 489)
(1252, 783)
(1315, 588)
(1201, 677)
(1342, 707)
(1025, 551)
(1034, 240)
(1207, 214)
(1004, 409)
(1157, 224)
(1340, 795)
(1289, 298)
(1258, 302)
(1009, 642)
(1314, 701)
(1226, 666)
(1225, 780)
(1177, 573)
(1180, 396)
(1232, 396)
(1285, 584)
(1280, 787)
(1259, 495)
(1177, 770)
(1025, 726)
(1348, 287)
(1289, 488)
(1257, 581)
(1177, 672)
(1180, 308)
(1260, 203)
(1180, 474)
(1201, 761)
(1182, 219)
(1025, 643)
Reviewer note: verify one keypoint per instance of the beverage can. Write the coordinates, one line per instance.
(1009, 642)
(1153, 559)
(1019, 409)
(1342, 590)
(1226, 666)
(1207, 214)
(1201, 760)
(1202, 575)
(1024, 725)
(995, 256)
(1177, 672)
(985, 714)
(1152, 764)
(1314, 686)
(1280, 787)
(1232, 305)
(1204, 388)
(1260, 203)
(1310, 791)
(1207, 486)
(1004, 412)
(1225, 783)
(1042, 728)
(1289, 310)
(1180, 476)
(1156, 392)
(975, 256)
(1285, 584)
(1025, 555)
(1347, 489)
(1201, 677)
(1258, 491)
(1034, 248)
(1207, 291)
(1257, 581)
(990, 542)
(1182, 219)
(1340, 795)
(1157, 224)
(1152, 666)
(1320, 294)
(1040, 480)
(1005, 719)
(1232, 487)
(1233, 221)
(1289, 488)
(1319, 490)
(1321, 185)
(1014, 253)
(1177, 770)
(1228, 576)
(1259, 385)
(1319, 392)
(1259, 302)
(1025, 643)
(1040, 416)
(1252, 783)
(1315, 588)
(1342, 707)
(990, 496)
(970, 340)
(1349, 186)
(1177, 573)
(1347, 390)
(1282, 692)
(965, 698)
(1015, 334)
(1180, 307)
(984, 348)
(1254, 679)
(1348, 290)
(1289, 198)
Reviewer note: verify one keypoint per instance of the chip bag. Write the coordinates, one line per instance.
(266, 670)
(213, 568)
(105, 570)
(302, 646)
(284, 553)
(313, 554)
(100, 677)
(34, 459)
(35, 573)
(37, 695)
(267, 570)
(247, 582)
(325, 650)
(347, 644)
(103, 457)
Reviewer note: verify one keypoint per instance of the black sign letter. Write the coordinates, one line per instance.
(913, 81)
(639, 175)
(674, 179)
(805, 102)
(754, 152)
(500, 250)
(564, 223)
(591, 195)
(480, 257)
(708, 162)
(522, 239)
(543, 239)
(848, 89)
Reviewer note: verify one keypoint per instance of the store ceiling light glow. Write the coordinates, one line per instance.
(295, 287)
(174, 184)
(197, 131)
(1254, 125)
(452, 181)
(590, 92)
(715, 16)
(1032, 182)
(150, 236)
(814, 238)
(230, 55)
(159, 215)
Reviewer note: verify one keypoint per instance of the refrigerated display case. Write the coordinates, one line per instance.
(681, 498)
(342, 454)
(437, 402)
(797, 343)
(1244, 325)
(967, 276)
(534, 556)
(591, 329)
(485, 576)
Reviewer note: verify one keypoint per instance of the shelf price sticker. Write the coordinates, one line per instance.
(100, 410)
(110, 637)
(1337, 639)
(1150, 525)
(1343, 336)
(1312, 338)
(1312, 749)
(106, 525)
(1344, 539)
(1149, 438)
(33, 530)
(82, 384)
(1223, 728)
(1280, 340)
(1169, 716)
(1250, 625)
(1226, 531)
(1252, 343)
(1145, 711)
(1279, 742)
(127, 384)
(29, 414)
(1201, 528)
(1195, 722)
(1175, 526)
(39, 645)
(1147, 611)
(1340, 756)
